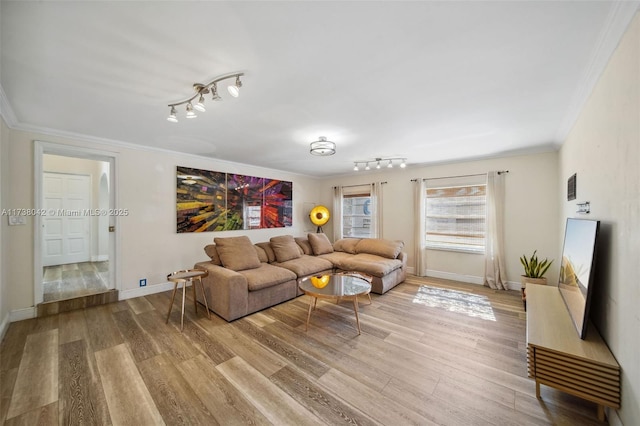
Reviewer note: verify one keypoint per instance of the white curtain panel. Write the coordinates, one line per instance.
(376, 214)
(419, 193)
(337, 213)
(494, 266)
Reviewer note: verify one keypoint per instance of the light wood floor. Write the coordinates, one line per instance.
(431, 352)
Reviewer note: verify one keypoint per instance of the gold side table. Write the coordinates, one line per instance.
(184, 277)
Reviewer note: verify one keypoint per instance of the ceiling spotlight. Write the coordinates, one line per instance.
(214, 93)
(322, 147)
(235, 89)
(190, 113)
(172, 117)
(380, 161)
(200, 105)
(355, 168)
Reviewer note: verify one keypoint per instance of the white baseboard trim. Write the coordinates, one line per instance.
(411, 270)
(455, 277)
(23, 314)
(471, 279)
(100, 258)
(4, 326)
(144, 291)
(612, 417)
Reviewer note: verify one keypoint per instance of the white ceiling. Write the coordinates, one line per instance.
(430, 81)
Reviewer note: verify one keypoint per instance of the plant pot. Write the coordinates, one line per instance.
(524, 280)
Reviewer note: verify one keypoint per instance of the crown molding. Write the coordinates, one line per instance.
(620, 16)
(6, 111)
(113, 144)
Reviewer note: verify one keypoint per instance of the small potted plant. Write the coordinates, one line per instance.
(534, 269)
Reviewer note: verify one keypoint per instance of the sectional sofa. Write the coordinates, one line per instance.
(245, 278)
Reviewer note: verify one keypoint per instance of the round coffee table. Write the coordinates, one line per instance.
(335, 286)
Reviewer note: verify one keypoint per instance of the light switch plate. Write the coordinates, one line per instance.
(17, 220)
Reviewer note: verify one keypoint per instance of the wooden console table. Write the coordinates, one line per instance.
(557, 357)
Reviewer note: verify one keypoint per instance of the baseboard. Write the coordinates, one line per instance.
(23, 314)
(471, 279)
(4, 326)
(612, 417)
(144, 291)
(455, 277)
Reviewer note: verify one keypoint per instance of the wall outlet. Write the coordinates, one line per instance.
(143, 282)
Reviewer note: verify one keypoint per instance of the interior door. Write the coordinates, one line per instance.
(66, 225)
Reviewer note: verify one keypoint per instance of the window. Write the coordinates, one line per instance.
(356, 216)
(455, 218)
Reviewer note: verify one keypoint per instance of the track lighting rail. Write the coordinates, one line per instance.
(204, 89)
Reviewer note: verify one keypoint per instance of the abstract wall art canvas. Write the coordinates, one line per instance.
(217, 201)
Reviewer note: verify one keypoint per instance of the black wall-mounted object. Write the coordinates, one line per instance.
(571, 187)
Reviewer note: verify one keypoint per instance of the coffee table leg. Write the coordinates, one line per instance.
(204, 296)
(173, 297)
(311, 305)
(195, 302)
(184, 293)
(355, 309)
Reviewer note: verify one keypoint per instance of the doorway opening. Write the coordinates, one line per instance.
(75, 244)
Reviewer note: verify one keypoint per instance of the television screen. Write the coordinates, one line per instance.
(577, 269)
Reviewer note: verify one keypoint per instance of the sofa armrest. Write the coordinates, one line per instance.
(227, 291)
(403, 257)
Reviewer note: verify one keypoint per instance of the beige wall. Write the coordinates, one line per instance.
(4, 292)
(145, 185)
(531, 207)
(603, 149)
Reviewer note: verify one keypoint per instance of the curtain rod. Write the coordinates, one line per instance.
(362, 184)
(460, 176)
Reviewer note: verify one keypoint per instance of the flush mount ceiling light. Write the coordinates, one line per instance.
(322, 147)
(203, 89)
(390, 162)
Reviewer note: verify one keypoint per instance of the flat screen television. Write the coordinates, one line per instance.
(577, 270)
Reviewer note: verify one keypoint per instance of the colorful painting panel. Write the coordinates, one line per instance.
(200, 200)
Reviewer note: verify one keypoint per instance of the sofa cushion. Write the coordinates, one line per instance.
(266, 246)
(337, 258)
(385, 248)
(237, 253)
(285, 248)
(347, 245)
(266, 276)
(304, 245)
(262, 255)
(320, 244)
(306, 265)
(371, 264)
(212, 252)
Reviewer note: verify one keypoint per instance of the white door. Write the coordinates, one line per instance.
(66, 225)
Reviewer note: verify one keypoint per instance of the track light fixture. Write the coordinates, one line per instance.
(203, 89)
(378, 161)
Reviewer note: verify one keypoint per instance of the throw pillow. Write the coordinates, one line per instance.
(237, 253)
(304, 245)
(347, 245)
(266, 246)
(285, 248)
(212, 252)
(385, 248)
(320, 244)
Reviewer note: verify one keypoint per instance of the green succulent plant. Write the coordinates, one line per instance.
(533, 268)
